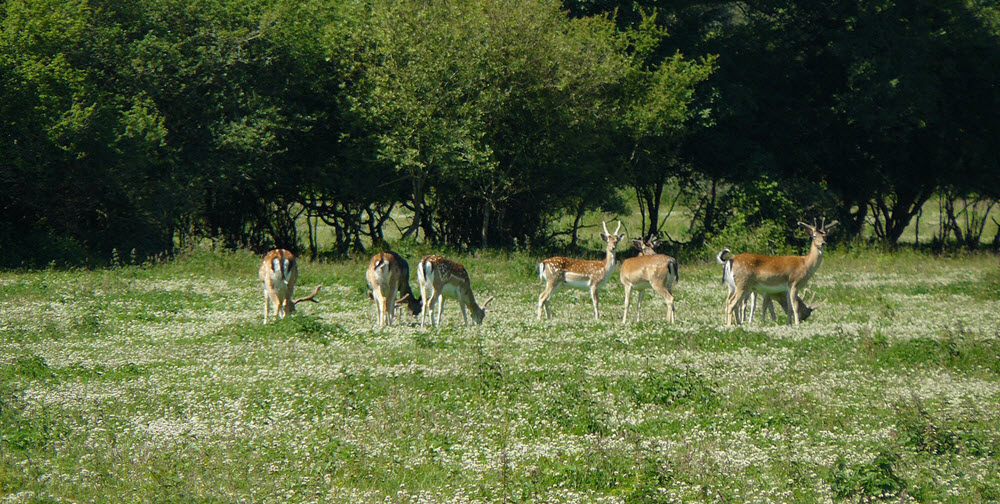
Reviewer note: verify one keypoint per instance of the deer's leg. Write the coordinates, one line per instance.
(767, 307)
(390, 304)
(439, 301)
(669, 297)
(753, 307)
(733, 305)
(593, 297)
(730, 290)
(386, 317)
(464, 316)
(638, 304)
(543, 299)
(383, 313)
(279, 311)
(792, 296)
(266, 306)
(426, 304)
(628, 295)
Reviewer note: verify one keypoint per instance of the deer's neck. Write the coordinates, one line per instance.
(813, 259)
(609, 262)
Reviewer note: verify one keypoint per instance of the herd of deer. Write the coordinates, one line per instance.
(776, 278)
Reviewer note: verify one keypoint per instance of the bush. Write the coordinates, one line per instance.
(756, 217)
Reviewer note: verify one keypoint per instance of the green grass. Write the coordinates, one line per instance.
(159, 383)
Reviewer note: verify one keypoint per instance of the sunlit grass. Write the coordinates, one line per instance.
(159, 384)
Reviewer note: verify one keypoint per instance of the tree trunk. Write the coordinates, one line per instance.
(486, 224)
(653, 196)
(996, 237)
(576, 224)
(418, 208)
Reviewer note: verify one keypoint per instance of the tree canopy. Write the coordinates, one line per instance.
(140, 125)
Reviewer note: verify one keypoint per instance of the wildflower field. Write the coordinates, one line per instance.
(159, 383)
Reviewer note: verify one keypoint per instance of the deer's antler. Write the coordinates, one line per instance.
(309, 297)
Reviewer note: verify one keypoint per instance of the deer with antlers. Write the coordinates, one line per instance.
(579, 274)
(786, 275)
(747, 309)
(278, 272)
(388, 276)
(649, 270)
(443, 278)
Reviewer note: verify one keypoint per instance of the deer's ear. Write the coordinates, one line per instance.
(621, 237)
(637, 243)
(604, 237)
(487, 302)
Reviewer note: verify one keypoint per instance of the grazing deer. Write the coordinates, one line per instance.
(278, 273)
(774, 274)
(441, 277)
(806, 308)
(579, 274)
(388, 278)
(649, 270)
(405, 293)
(383, 277)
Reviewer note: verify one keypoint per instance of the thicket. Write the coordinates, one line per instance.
(138, 126)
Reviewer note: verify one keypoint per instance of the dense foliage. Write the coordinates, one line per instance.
(139, 125)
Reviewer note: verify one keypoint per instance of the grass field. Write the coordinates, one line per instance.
(160, 384)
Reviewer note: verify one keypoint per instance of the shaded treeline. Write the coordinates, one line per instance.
(140, 125)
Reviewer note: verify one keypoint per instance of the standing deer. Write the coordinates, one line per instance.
(442, 277)
(746, 310)
(649, 270)
(774, 274)
(579, 274)
(278, 273)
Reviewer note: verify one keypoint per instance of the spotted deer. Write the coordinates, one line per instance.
(577, 273)
(278, 272)
(443, 278)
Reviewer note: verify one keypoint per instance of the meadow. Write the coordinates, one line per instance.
(159, 383)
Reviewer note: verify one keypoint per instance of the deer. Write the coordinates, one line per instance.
(278, 272)
(443, 278)
(388, 278)
(774, 274)
(649, 270)
(805, 307)
(577, 273)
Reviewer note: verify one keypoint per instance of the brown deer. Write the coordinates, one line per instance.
(440, 277)
(649, 271)
(774, 274)
(577, 273)
(388, 278)
(278, 272)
